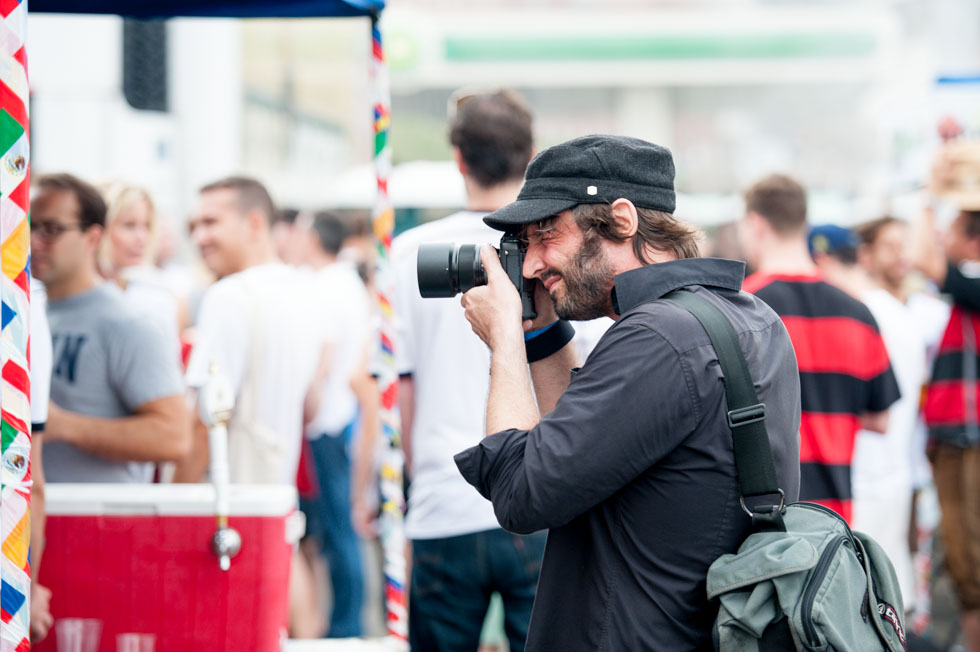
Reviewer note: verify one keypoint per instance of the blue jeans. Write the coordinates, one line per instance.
(340, 542)
(453, 579)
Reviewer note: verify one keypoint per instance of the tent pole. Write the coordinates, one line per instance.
(392, 465)
(15, 242)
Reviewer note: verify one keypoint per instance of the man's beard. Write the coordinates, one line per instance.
(892, 279)
(588, 280)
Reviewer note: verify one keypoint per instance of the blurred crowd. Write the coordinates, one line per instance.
(884, 318)
(124, 337)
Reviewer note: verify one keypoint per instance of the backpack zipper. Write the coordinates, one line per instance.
(830, 512)
(813, 585)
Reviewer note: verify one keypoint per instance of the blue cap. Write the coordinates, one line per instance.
(830, 239)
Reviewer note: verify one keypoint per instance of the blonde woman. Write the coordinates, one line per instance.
(126, 256)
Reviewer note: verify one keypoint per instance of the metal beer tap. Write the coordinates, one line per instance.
(215, 402)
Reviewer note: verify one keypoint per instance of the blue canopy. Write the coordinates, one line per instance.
(212, 8)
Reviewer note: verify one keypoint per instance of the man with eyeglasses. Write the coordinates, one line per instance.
(117, 401)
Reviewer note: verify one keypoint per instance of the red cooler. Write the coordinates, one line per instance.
(138, 558)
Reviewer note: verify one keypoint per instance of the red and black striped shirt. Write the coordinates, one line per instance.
(844, 373)
(952, 406)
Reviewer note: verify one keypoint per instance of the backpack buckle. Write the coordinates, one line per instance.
(777, 508)
(766, 517)
(745, 416)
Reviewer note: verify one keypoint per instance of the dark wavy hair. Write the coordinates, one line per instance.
(655, 230)
(493, 134)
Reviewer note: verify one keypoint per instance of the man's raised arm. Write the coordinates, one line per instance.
(511, 403)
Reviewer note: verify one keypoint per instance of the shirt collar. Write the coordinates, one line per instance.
(651, 282)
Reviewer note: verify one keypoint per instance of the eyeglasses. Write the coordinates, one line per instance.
(51, 230)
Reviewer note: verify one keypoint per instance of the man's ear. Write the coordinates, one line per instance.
(257, 221)
(625, 219)
(974, 248)
(864, 256)
(94, 234)
(460, 163)
(759, 226)
(823, 261)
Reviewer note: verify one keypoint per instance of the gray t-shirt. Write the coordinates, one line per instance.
(108, 361)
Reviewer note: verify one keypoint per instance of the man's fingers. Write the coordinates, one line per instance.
(467, 302)
(491, 262)
(471, 297)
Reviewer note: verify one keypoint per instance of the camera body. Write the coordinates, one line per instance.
(446, 269)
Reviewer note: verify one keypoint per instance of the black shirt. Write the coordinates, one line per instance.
(633, 471)
(965, 290)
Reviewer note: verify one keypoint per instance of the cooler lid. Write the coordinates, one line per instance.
(85, 499)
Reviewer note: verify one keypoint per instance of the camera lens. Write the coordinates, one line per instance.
(435, 265)
(445, 270)
(469, 268)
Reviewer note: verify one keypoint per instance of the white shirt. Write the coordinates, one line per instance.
(931, 315)
(146, 293)
(588, 334)
(450, 367)
(41, 353)
(883, 465)
(347, 325)
(281, 297)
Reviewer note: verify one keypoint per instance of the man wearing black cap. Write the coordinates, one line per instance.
(631, 465)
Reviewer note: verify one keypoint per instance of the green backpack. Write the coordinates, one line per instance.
(802, 580)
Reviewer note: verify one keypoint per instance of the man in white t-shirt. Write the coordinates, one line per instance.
(259, 328)
(343, 407)
(885, 254)
(884, 465)
(460, 555)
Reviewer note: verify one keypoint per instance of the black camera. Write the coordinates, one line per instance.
(446, 269)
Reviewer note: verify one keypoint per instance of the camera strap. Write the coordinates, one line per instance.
(552, 340)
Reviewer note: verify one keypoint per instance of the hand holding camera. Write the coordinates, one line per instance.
(445, 269)
(494, 310)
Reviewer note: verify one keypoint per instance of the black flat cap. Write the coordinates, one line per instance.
(591, 170)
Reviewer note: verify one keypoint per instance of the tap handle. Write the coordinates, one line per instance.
(216, 398)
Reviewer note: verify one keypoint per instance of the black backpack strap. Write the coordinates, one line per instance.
(746, 415)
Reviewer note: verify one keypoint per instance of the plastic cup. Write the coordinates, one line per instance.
(78, 634)
(133, 642)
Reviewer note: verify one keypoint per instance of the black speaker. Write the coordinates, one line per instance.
(145, 64)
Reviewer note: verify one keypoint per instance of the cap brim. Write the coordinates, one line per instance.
(526, 211)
